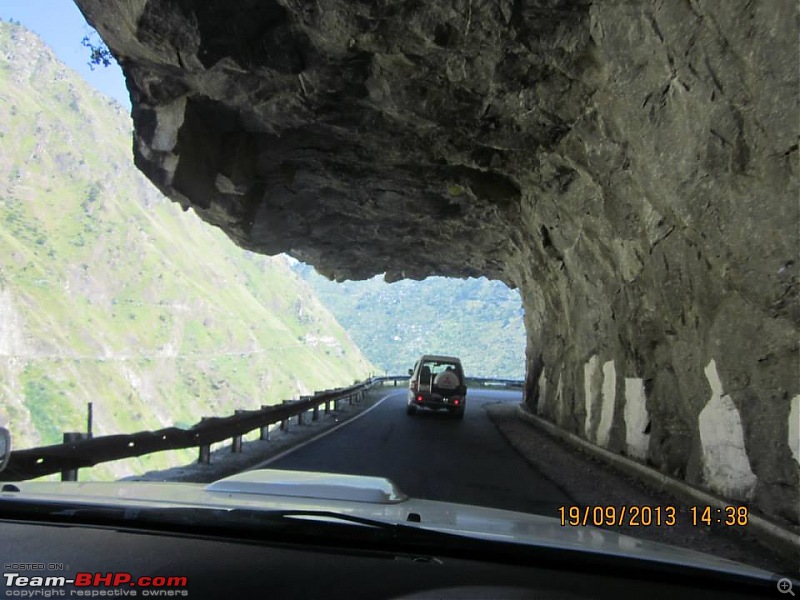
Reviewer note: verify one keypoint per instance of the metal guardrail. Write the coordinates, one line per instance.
(492, 382)
(473, 381)
(395, 379)
(84, 451)
(80, 450)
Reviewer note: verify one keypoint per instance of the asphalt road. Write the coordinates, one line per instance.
(437, 457)
(434, 456)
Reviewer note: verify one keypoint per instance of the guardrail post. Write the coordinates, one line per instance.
(264, 435)
(327, 407)
(285, 422)
(236, 441)
(69, 437)
(204, 454)
(89, 419)
(302, 414)
(315, 415)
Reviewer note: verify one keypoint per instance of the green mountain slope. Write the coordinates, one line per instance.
(110, 294)
(478, 320)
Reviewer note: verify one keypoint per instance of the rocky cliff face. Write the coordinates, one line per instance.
(631, 167)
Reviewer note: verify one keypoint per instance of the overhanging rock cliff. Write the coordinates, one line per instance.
(631, 167)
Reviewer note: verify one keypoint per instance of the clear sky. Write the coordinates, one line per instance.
(62, 27)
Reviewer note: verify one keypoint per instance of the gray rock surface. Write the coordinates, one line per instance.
(631, 167)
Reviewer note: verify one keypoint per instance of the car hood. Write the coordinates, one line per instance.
(367, 497)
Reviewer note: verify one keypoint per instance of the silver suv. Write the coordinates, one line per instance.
(437, 382)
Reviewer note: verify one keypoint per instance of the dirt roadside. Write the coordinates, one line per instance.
(591, 482)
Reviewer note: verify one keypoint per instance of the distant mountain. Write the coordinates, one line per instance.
(110, 294)
(478, 320)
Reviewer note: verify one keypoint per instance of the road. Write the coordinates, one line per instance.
(434, 456)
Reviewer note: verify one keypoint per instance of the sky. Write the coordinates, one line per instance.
(62, 27)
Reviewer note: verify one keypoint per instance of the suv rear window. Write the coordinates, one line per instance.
(433, 368)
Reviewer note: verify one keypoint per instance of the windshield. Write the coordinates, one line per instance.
(542, 259)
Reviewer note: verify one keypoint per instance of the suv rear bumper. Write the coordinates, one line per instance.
(437, 401)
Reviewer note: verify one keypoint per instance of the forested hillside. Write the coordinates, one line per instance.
(476, 319)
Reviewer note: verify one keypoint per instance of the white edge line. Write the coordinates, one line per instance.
(320, 435)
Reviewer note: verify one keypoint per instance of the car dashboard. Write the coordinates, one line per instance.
(118, 562)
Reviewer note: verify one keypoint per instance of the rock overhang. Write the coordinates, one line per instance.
(362, 138)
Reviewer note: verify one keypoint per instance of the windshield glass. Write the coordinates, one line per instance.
(541, 259)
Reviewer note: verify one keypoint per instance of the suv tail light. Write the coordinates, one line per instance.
(456, 401)
(419, 398)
